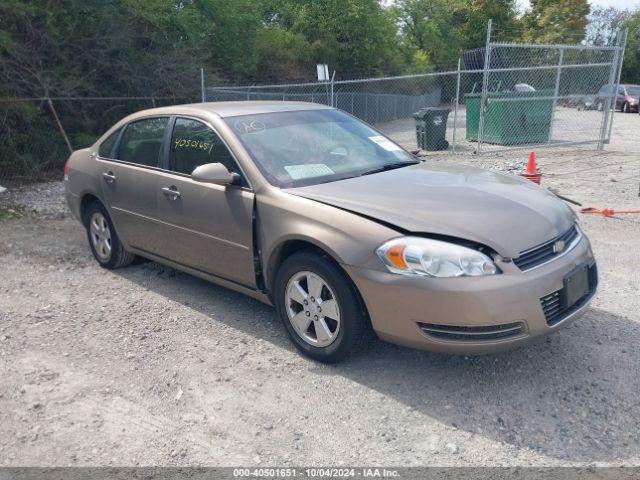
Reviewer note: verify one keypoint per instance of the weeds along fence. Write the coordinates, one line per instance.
(37, 134)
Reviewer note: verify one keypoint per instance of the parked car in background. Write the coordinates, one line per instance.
(309, 209)
(627, 98)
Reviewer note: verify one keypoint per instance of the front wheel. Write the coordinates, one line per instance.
(103, 239)
(625, 108)
(320, 307)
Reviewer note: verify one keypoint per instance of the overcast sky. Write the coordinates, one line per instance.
(602, 3)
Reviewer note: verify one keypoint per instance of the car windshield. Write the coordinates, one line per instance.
(633, 90)
(294, 149)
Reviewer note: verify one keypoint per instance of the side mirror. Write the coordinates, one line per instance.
(215, 173)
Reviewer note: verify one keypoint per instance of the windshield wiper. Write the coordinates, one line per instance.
(390, 166)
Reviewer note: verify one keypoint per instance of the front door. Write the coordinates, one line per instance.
(208, 227)
(130, 182)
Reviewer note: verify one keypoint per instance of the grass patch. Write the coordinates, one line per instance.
(10, 213)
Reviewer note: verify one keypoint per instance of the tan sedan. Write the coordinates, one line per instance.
(308, 209)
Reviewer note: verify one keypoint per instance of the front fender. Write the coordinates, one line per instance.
(347, 237)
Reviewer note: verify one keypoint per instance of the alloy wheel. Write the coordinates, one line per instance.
(312, 309)
(100, 236)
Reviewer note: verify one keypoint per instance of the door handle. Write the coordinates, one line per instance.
(109, 177)
(171, 192)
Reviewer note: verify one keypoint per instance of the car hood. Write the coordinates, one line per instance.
(502, 211)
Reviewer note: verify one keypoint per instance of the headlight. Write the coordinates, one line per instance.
(433, 258)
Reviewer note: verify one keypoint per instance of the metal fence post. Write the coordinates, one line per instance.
(332, 79)
(622, 48)
(202, 91)
(455, 110)
(556, 93)
(485, 86)
(366, 107)
(609, 106)
(59, 123)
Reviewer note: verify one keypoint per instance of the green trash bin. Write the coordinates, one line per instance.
(511, 118)
(431, 128)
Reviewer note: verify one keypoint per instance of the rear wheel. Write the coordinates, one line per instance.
(320, 307)
(103, 239)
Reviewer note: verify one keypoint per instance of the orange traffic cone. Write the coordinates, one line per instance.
(531, 172)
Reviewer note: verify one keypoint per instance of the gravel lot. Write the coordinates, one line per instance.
(148, 366)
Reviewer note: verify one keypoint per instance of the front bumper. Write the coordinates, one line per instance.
(400, 306)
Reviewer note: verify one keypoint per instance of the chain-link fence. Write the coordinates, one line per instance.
(546, 95)
(507, 96)
(37, 134)
(503, 96)
(389, 103)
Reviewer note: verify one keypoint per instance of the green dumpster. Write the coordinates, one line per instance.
(431, 128)
(511, 118)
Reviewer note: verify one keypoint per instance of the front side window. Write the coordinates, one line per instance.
(294, 149)
(142, 140)
(194, 144)
(106, 148)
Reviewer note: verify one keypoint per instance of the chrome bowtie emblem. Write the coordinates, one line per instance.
(558, 246)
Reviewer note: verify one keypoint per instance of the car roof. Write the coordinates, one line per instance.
(230, 109)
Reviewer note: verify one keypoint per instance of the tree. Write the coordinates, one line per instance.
(631, 64)
(96, 48)
(477, 13)
(556, 21)
(282, 56)
(355, 37)
(433, 28)
(603, 23)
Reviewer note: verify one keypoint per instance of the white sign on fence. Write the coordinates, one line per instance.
(323, 72)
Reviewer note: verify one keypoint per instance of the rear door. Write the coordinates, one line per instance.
(130, 181)
(208, 227)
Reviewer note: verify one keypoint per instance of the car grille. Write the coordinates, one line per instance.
(545, 252)
(472, 333)
(555, 312)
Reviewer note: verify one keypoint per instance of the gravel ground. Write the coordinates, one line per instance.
(46, 200)
(148, 366)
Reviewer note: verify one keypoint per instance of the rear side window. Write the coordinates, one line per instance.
(194, 144)
(106, 148)
(142, 140)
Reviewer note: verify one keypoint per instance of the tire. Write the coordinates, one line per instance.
(335, 338)
(599, 106)
(625, 108)
(103, 239)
